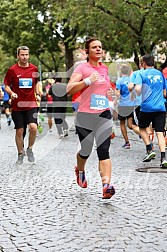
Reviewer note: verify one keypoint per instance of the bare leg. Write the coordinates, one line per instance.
(136, 129)
(132, 126)
(144, 136)
(161, 141)
(124, 131)
(80, 163)
(150, 132)
(7, 112)
(19, 140)
(32, 134)
(105, 168)
(50, 123)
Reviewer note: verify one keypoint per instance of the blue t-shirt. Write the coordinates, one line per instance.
(138, 100)
(6, 95)
(122, 85)
(153, 83)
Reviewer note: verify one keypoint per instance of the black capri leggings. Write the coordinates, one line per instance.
(94, 126)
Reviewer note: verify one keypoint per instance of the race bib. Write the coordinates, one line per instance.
(99, 102)
(25, 83)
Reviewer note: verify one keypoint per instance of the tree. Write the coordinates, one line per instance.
(51, 28)
(22, 25)
(138, 24)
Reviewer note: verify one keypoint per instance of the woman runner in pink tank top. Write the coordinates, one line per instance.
(93, 120)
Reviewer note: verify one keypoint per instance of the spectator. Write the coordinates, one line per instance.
(59, 96)
(49, 105)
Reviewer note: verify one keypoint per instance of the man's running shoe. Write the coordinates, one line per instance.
(150, 155)
(108, 192)
(30, 155)
(24, 153)
(152, 146)
(20, 159)
(40, 129)
(65, 133)
(126, 146)
(81, 180)
(61, 136)
(41, 117)
(9, 121)
(163, 163)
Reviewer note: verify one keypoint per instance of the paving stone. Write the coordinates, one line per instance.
(42, 209)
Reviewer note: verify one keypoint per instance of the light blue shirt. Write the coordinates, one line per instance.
(138, 100)
(122, 85)
(153, 83)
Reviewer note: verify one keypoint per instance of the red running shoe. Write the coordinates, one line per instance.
(108, 192)
(112, 135)
(81, 180)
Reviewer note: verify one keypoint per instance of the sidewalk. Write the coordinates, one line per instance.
(42, 209)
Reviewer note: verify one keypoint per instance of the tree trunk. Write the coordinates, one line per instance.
(136, 58)
(69, 60)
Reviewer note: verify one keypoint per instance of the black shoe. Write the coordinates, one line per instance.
(9, 121)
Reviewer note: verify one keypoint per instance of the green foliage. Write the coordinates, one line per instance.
(52, 28)
(5, 63)
(136, 25)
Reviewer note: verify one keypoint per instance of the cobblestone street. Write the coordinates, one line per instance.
(42, 209)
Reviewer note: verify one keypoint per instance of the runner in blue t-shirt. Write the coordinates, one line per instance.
(152, 85)
(125, 105)
(136, 98)
(137, 101)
